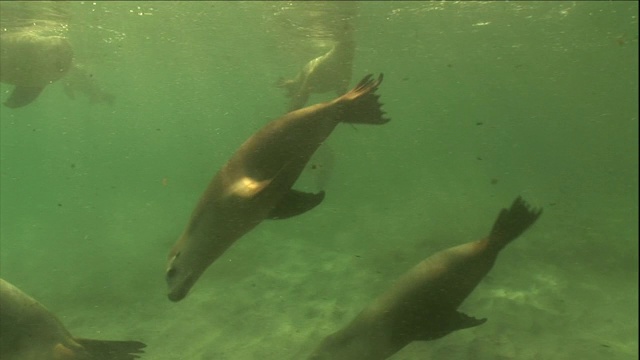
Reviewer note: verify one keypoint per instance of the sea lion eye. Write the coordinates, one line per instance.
(171, 272)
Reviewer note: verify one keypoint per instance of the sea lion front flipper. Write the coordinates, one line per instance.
(295, 203)
(289, 85)
(299, 100)
(463, 321)
(62, 352)
(112, 349)
(22, 95)
(457, 321)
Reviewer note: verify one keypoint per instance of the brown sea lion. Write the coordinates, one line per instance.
(31, 61)
(255, 184)
(28, 331)
(329, 72)
(422, 304)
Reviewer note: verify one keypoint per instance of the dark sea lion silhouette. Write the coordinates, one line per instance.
(31, 61)
(28, 331)
(255, 184)
(423, 303)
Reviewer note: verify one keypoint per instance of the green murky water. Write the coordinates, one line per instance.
(487, 100)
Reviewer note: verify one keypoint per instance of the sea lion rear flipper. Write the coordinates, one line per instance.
(295, 203)
(512, 222)
(22, 96)
(361, 105)
(112, 349)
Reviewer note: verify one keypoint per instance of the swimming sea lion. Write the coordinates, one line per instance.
(255, 184)
(31, 61)
(329, 72)
(422, 304)
(28, 331)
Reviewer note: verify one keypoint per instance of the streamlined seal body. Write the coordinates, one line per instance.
(30, 61)
(329, 72)
(28, 331)
(255, 184)
(422, 304)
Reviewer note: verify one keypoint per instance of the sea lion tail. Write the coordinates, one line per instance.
(361, 105)
(512, 222)
(112, 349)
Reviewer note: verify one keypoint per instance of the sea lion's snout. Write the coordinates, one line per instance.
(179, 279)
(175, 297)
(177, 288)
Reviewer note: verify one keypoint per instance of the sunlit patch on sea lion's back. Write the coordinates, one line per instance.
(246, 187)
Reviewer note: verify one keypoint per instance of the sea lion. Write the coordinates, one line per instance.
(422, 304)
(28, 331)
(255, 184)
(329, 72)
(30, 61)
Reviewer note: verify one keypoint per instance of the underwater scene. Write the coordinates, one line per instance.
(318, 180)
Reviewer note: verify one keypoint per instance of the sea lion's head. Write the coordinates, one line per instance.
(178, 279)
(180, 276)
(185, 266)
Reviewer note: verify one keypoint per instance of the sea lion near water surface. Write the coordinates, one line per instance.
(329, 72)
(255, 184)
(28, 331)
(422, 304)
(30, 61)
(331, 25)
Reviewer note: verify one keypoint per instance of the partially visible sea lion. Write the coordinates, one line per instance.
(423, 303)
(31, 61)
(329, 72)
(28, 331)
(255, 184)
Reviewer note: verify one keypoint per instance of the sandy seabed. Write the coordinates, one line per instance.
(278, 302)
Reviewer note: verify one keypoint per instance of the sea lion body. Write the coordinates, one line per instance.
(422, 304)
(329, 72)
(255, 184)
(30, 61)
(28, 331)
